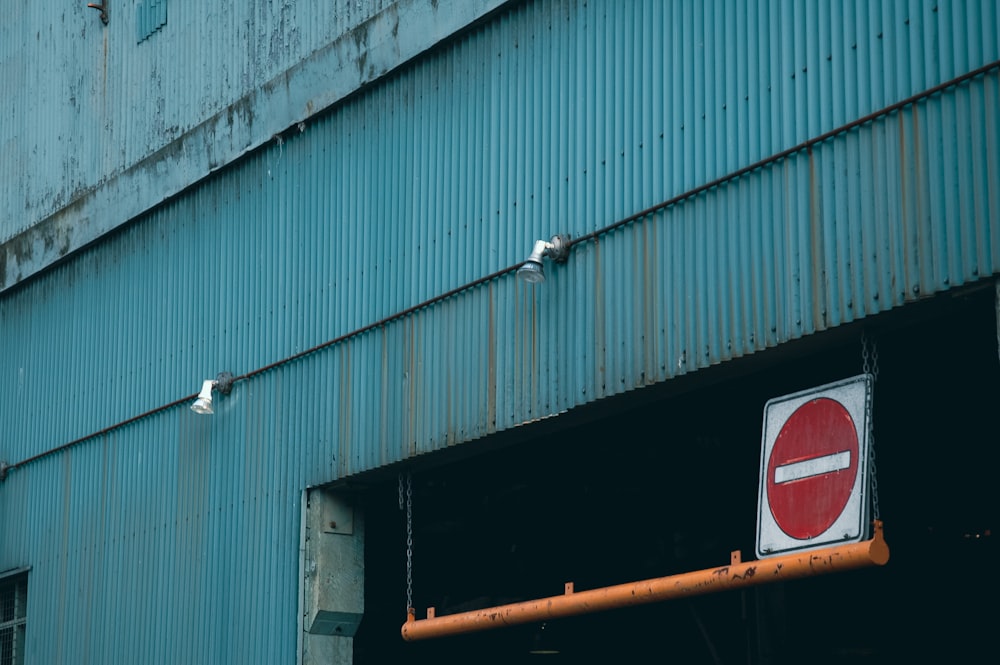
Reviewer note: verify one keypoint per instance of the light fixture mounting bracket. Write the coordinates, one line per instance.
(559, 251)
(224, 382)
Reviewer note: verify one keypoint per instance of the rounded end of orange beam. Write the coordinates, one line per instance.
(411, 617)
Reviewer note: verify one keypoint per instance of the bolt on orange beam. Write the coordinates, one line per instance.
(839, 558)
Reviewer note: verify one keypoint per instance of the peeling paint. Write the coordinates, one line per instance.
(148, 156)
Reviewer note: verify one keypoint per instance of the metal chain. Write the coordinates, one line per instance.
(409, 542)
(869, 365)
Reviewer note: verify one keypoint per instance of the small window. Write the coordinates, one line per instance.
(13, 617)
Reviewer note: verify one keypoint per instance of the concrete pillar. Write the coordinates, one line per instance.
(333, 577)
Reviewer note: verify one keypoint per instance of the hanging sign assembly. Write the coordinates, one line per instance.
(817, 489)
(736, 575)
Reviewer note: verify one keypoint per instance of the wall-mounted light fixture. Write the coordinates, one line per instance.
(223, 383)
(556, 249)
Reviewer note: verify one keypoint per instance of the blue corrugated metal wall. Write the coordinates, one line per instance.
(552, 118)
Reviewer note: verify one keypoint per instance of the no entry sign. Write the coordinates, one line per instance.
(814, 469)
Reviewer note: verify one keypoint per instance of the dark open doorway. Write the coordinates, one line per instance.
(671, 486)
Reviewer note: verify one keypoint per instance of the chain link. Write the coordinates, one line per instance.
(407, 504)
(409, 542)
(866, 366)
(869, 365)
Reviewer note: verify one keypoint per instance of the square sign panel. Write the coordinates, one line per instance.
(814, 469)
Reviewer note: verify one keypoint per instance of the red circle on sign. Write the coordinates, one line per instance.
(812, 469)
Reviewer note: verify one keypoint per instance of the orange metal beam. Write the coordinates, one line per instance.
(874, 552)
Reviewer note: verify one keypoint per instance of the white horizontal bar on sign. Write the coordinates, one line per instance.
(812, 467)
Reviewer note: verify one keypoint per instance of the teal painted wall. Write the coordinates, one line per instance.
(549, 118)
(100, 123)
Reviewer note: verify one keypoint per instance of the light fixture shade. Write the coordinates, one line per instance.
(557, 249)
(203, 405)
(531, 272)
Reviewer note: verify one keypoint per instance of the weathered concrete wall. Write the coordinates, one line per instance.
(99, 123)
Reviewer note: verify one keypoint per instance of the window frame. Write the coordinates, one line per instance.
(13, 615)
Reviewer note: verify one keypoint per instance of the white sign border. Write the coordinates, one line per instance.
(852, 525)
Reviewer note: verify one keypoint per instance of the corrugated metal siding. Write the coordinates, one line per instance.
(452, 170)
(555, 117)
(158, 553)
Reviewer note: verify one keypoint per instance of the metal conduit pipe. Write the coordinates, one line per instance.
(839, 558)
